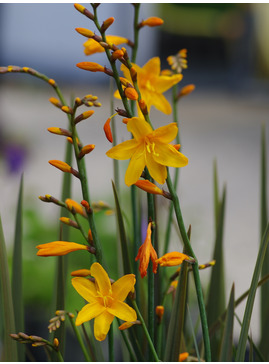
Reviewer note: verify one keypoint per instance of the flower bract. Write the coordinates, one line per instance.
(105, 300)
(149, 148)
(152, 84)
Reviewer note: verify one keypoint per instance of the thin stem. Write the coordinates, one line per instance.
(196, 275)
(151, 346)
(111, 344)
(80, 341)
(136, 31)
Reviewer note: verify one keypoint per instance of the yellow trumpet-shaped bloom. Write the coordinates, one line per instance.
(58, 248)
(152, 84)
(149, 148)
(92, 46)
(105, 300)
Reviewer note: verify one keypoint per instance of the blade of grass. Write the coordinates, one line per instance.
(9, 345)
(226, 350)
(240, 353)
(264, 347)
(17, 282)
(176, 323)
(216, 294)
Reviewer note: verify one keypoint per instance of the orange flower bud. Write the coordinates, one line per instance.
(56, 342)
(85, 32)
(78, 101)
(117, 54)
(52, 82)
(125, 82)
(67, 109)
(131, 93)
(143, 107)
(69, 222)
(61, 165)
(149, 187)
(84, 11)
(86, 150)
(128, 324)
(91, 66)
(57, 248)
(133, 74)
(108, 131)
(159, 310)
(55, 102)
(81, 273)
(59, 131)
(153, 21)
(75, 207)
(171, 259)
(85, 115)
(183, 356)
(106, 24)
(90, 238)
(186, 90)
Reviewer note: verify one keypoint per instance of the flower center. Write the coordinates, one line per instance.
(151, 147)
(149, 86)
(105, 300)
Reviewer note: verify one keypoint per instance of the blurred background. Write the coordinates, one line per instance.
(228, 61)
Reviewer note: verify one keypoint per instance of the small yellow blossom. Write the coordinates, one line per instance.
(92, 46)
(58, 248)
(105, 300)
(152, 84)
(149, 148)
(145, 253)
(172, 259)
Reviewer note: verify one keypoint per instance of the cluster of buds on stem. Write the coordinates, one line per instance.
(36, 341)
(55, 322)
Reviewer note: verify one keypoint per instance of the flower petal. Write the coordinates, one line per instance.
(166, 133)
(122, 311)
(153, 66)
(123, 286)
(139, 127)
(163, 83)
(102, 325)
(167, 155)
(101, 279)
(88, 312)
(85, 288)
(157, 171)
(124, 150)
(161, 103)
(136, 166)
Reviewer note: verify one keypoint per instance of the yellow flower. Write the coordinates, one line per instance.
(148, 148)
(146, 252)
(172, 259)
(58, 248)
(105, 300)
(152, 84)
(92, 46)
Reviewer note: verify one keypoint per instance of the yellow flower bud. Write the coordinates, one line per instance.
(67, 109)
(159, 310)
(85, 32)
(106, 24)
(84, 115)
(81, 273)
(149, 187)
(117, 54)
(186, 90)
(61, 165)
(59, 131)
(73, 206)
(55, 102)
(86, 150)
(91, 66)
(153, 21)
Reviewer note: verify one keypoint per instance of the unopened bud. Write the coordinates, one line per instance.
(56, 102)
(56, 342)
(91, 66)
(67, 109)
(74, 207)
(186, 90)
(85, 115)
(86, 150)
(133, 74)
(143, 107)
(85, 32)
(59, 131)
(81, 273)
(117, 54)
(84, 11)
(131, 93)
(159, 312)
(64, 167)
(106, 24)
(69, 222)
(107, 130)
(87, 206)
(153, 21)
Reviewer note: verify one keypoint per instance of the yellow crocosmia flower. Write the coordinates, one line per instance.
(148, 148)
(145, 253)
(172, 259)
(152, 84)
(105, 300)
(92, 46)
(58, 248)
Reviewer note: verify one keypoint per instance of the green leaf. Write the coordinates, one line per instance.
(10, 346)
(124, 243)
(17, 281)
(216, 295)
(226, 350)
(264, 347)
(175, 329)
(240, 353)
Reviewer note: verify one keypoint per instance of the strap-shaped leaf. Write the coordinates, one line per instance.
(10, 346)
(17, 276)
(226, 350)
(241, 349)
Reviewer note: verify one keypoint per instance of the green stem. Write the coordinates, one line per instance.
(80, 341)
(129, 348)
(60, 357)
(111, 344)
(136, 31)
(151, 346)
(196, 275)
